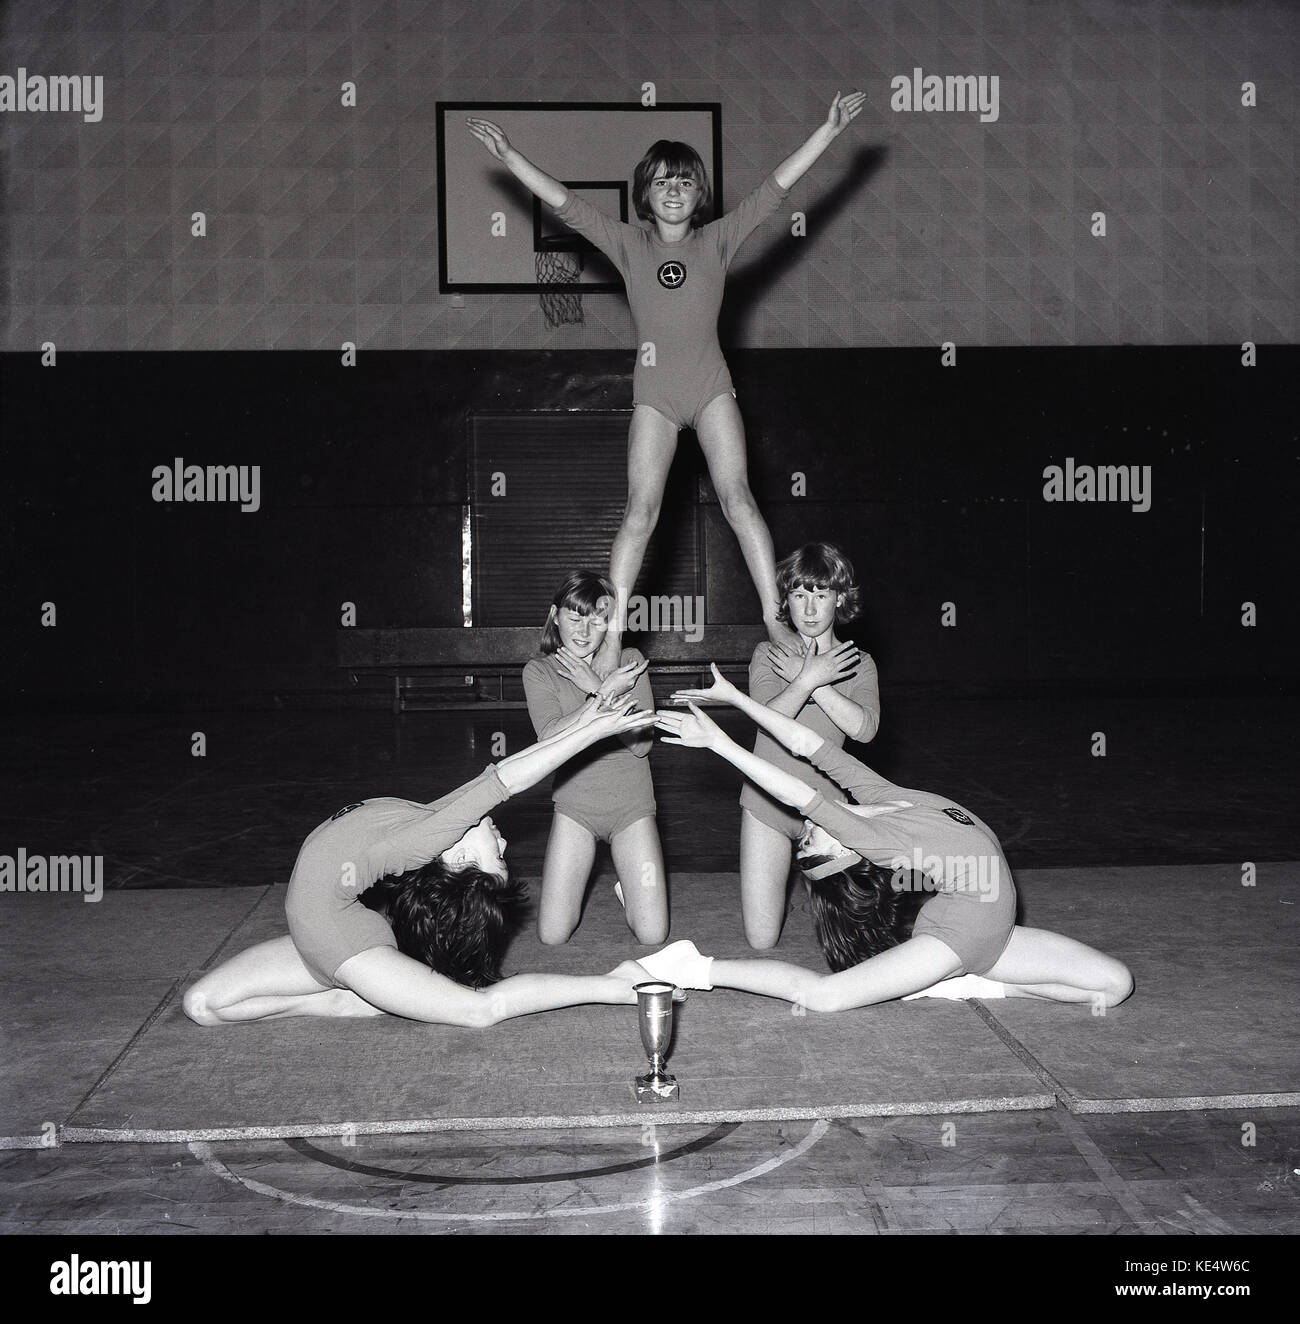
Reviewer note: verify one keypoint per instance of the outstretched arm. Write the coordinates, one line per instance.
(798, 163)
(700, 732)
(536, 180)
(907, 968)
(529, 766)
(798, 739)
(405, 987)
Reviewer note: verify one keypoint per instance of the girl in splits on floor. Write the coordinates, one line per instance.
(674, 272)
(407, 908)
(857, 861)
(825, 685)
(605, 793)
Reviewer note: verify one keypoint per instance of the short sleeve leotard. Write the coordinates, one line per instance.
(359, 845)
(675, 293)
(764, 686)
(973, 909)
(607, 787)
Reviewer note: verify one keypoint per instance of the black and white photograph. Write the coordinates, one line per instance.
(649, 618)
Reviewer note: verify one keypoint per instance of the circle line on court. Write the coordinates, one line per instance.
(203, 1152)
(308, 1150)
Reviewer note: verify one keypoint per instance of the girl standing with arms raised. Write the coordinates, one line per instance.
(674, 272)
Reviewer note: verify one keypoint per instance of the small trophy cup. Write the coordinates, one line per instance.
(654, 1010)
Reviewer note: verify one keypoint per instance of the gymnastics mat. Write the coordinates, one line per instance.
(1212, 1022)
(81, 979)
(736, 1057)
(100, 1047)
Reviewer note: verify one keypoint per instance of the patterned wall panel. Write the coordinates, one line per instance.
(924, 226)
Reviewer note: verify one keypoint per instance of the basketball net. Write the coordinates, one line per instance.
(556, 267)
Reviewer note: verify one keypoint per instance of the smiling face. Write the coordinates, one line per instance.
(812, 610)
(482, 846)
(582, 633)
(673, 199)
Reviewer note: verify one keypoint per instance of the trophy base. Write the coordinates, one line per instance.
(656, 1089)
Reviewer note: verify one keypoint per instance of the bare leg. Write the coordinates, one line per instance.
(722, 439)
(570, 853)
(765, 857)
(264, 982)
(651, 445)
(639, 859)
(1041, 964)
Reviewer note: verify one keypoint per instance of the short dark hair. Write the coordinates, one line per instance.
(581, 592)
(859, 913)
(680, 159)
(456, 921)
(819, 565)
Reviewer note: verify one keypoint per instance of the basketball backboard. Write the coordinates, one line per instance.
(490, 226)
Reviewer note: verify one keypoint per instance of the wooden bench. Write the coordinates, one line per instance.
(480, 667)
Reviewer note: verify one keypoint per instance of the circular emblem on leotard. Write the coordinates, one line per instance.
(959, 817)
(347, 809)
(672, 275)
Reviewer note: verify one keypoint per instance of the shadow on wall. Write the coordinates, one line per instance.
(749, 285)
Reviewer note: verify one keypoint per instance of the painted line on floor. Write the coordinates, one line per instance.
(204, 1153)
(1118, 1188)
(422, 1125)
(1184, 1103)
(344, 1164)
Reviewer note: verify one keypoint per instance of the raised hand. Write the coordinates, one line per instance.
(832, 666)
(843, 110)
(491, 136)
(578, 670)
(621, 681)
(721, 691)
(693, 729)
(787, 661)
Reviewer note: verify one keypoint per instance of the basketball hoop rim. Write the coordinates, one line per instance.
(560, 243)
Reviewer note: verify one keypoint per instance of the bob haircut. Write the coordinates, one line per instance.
(859, 913)
(581, 592)
(819, 565)
(680, 159)
(456, 921)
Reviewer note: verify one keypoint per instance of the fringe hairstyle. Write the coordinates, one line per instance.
(581, 592)
(680, 159)
(819, 565)
(456, 921)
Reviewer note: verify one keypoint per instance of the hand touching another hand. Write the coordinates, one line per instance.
(616, 721)
(680, 963)
(631, 973)
(621, 681)
(830, 667)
